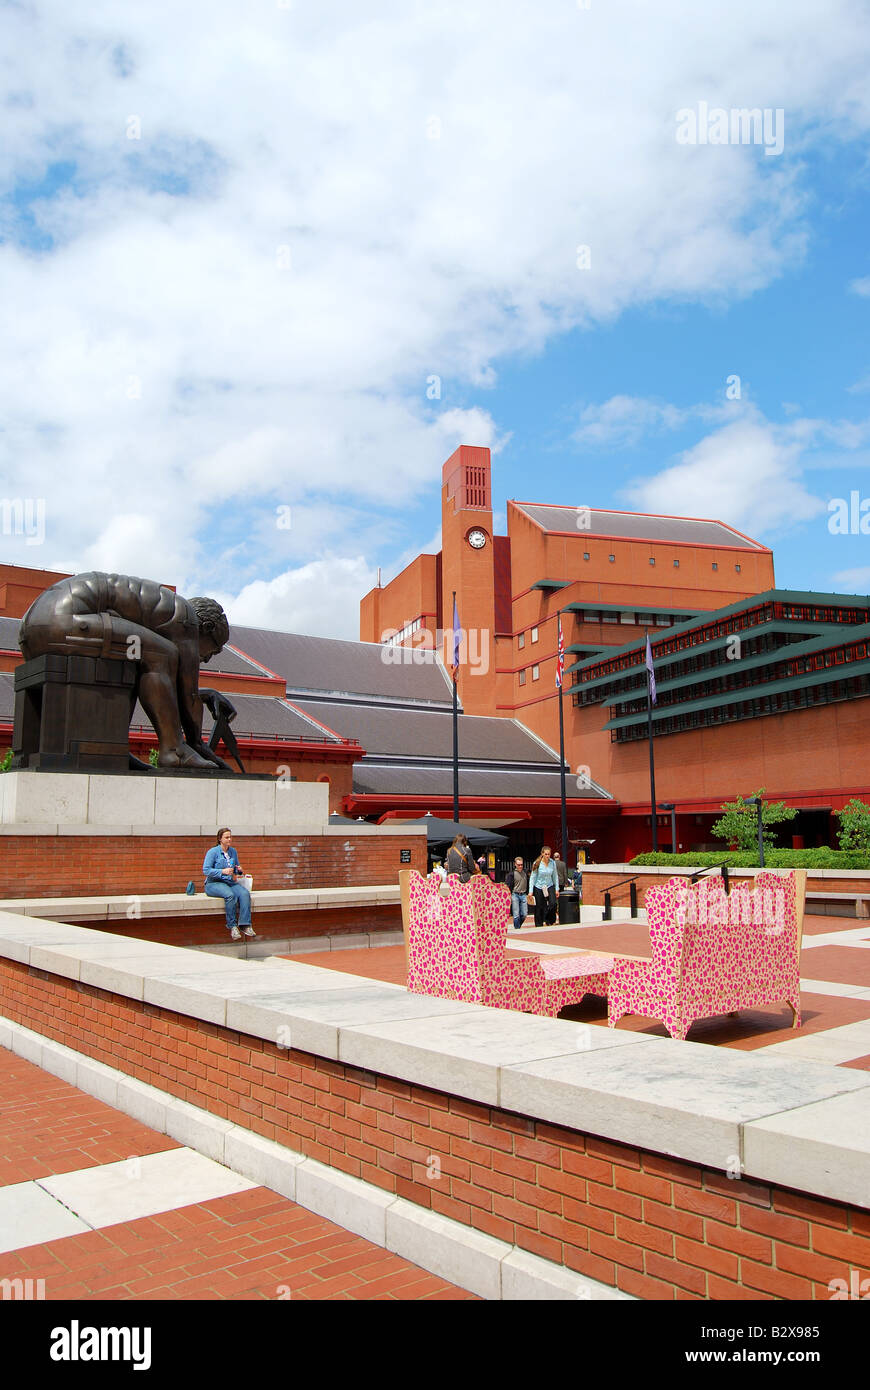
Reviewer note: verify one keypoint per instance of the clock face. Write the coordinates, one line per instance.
(477, 539)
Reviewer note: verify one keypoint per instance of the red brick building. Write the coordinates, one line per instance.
(615, 577)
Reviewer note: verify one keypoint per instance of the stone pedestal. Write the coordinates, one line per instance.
(58, 699)
(176, 802)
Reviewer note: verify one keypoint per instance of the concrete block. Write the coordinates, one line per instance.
(264, 1162)
(241, 802)
(465, 1050)
(28, 1045)
(823, 1148)
(301, 802)
(40, 798)
(59, 1060)
(186, 802)
(145, 1103)
(447, 1248)
(680, 1098)
(199, 1130)
(98, 1080)
(527, 1278)
(352, 941)
(357, 1206)
(121, 800)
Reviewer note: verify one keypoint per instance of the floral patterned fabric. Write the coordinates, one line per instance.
(456, 942)
(714, 953)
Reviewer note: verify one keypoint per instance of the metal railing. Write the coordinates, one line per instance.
(632, 897)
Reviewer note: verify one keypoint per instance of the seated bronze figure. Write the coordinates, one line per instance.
(120, 618)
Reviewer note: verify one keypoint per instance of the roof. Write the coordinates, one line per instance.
(329, 666)
(403, 779)
(262, 716)
(394, 730)
(635, 526)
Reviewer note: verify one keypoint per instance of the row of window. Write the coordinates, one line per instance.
(781, 703)
(652, 559)
(737, 678)
(737, 622)
(536, 672)
(533, 637)
(403, 634)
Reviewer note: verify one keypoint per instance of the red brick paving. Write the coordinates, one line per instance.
(847, 965)
(47, 1126)
(252, 1245)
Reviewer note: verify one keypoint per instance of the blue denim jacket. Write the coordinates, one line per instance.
(214, 864)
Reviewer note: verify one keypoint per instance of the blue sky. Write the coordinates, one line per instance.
(234, 248)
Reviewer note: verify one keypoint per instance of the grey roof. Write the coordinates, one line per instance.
(7, 695)
(332, 667)
(264, 716)
(635, 526)
(232, 663)
(401, 779)
(423, 733)
(9, 634)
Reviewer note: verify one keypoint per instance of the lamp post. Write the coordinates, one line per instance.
(758, 804)
(671, 806)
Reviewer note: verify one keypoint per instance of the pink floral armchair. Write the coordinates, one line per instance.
(715, 953)
(455, 943)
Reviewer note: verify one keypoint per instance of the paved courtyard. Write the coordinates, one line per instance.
(835, 988)
(99, 1206)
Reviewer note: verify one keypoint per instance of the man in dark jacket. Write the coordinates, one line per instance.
(561, 869)
(517, 881)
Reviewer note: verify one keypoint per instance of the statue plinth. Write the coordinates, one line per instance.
(57, 698)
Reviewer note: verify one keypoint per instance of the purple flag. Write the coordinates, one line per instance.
(651, 669)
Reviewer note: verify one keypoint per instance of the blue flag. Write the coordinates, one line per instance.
(457, 639)
(652, 672)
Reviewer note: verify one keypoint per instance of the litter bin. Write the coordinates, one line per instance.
(569, 907)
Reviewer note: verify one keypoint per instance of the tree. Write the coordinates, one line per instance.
(739, 824)
(854, 832)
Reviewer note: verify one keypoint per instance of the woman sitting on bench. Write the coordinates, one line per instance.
(222, 873)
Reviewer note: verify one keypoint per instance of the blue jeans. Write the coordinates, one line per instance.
(232, 893)
(519, 908)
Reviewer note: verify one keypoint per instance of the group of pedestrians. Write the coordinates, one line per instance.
(549, 875)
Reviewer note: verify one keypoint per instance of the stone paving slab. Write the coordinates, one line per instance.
(29, 1214)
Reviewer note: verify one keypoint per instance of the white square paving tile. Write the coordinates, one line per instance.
(143, 1186)
(30, 1216)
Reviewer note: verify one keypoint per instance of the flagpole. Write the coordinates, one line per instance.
(455, 720)
(560, 677)
(652, 760)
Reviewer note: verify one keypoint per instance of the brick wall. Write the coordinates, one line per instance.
(80, 865)
(655, 1227)
(209, 929)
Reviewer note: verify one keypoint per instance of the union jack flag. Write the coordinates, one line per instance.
(560, 660)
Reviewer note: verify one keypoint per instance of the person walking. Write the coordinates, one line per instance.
(222, 873)
(561, 870)
(544, 883)
(460, 860)
(517, 881)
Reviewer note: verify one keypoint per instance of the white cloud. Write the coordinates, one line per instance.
(243, 306)
(623, 421)
(861, 287)
(856, 581)
(748, 473)
(321, 598)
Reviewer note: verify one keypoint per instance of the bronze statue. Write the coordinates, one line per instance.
(118, 617)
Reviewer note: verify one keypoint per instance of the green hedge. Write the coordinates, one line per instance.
(773, 858)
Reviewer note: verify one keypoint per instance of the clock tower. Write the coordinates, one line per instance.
(467, 566)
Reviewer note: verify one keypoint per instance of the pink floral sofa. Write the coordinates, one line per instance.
(715, 953)
(455, 942)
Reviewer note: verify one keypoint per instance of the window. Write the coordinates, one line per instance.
(652, 559)
(676, 564)
(535, 673)
(715, 566)
(522, 677)
(534, 636)
(626, 617)
(611, 558)
(521, 640)
(737, 567)
(585, 554)
(609, 617)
